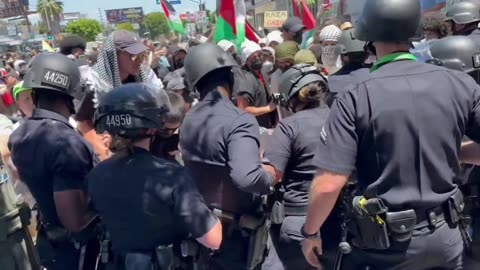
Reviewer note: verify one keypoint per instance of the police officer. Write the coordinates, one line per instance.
(155, 202)
(353, 55)
(463, 54)
(290, 151)
(386, 127)
(53, 159)
(464, 18)
(220, 147)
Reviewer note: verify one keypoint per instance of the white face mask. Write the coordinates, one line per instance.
(267, 67)
(328, 50)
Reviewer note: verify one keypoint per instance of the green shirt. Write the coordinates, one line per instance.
(390, 58)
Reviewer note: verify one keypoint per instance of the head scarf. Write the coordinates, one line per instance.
(305, 57)
(105, 74)
(248, 48)
(274, 36)
(225, 44)
(330, 33)
(286, 50)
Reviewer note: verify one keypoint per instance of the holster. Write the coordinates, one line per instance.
(454, 209)
(367, 231)
(165, 257)
(258, 250)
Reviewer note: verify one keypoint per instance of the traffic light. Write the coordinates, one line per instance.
(49, 36)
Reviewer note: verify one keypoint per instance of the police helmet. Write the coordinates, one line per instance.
(54, 72)
(456, 52)
(296, 77)
(390, 21)
(130, 109)
(348, 43)
(203, 59)
(463, 13)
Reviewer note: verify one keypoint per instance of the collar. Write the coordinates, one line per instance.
(214, 95)
(390, 58)
(46, 114)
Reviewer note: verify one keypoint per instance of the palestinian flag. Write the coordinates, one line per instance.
(307, 18)
(173, 19)
(231, 22)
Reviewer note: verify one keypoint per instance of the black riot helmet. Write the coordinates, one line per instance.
(348, 43)
(390, 21)
(54, 72)
(456, 52)
(463, 13)
(296, 77)
(130, 109)
(203, 59)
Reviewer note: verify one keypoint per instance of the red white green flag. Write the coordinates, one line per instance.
(231, 23)
(173, 19)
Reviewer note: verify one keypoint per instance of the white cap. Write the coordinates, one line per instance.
(262, 41)
(248, 48)
(330, 33)
(274, 36)
(203, 39)
(225, 44)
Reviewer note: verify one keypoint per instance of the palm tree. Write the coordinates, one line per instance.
(51, 12)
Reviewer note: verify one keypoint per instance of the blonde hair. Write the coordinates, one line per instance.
(121, 145)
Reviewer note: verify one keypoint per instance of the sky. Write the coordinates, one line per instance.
(90, 7)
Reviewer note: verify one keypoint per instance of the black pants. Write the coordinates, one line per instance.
(233, 253)
(287, 240)
(436, 249)
(57, 257)
(473, 263)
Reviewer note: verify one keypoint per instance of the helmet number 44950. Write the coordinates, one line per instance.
(119, 120)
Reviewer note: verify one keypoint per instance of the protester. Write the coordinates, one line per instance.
(292, 30)
(305, 57)
(73, 46)
(434, 26)
(284, 59)
(274, 38)
(328, 38)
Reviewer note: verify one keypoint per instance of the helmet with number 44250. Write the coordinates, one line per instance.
(54, 72)
(130, 109)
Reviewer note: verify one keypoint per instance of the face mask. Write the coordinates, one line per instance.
(328, 50)
(257, 65)
(179, 64)
(298, 38)
(267, 67)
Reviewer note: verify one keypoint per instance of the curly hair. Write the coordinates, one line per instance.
(435, 22)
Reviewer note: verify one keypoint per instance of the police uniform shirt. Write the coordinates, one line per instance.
(291, 150)
(401, 128)
(220, 147)
(475, 36)
(253, 91)
(145, 201)
(50, 157)
(342, 80)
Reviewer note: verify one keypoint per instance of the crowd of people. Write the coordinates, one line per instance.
(355, 140)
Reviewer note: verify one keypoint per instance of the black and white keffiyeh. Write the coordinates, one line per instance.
(105, 74)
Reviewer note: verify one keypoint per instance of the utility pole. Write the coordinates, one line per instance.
(102, 22)
(25, 14)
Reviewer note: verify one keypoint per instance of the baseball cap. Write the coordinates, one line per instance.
(293, 25)
(129, 42)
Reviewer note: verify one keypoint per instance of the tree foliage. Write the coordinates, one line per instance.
(156, 23)
(126, 26)
(52, 11)
(86, 28)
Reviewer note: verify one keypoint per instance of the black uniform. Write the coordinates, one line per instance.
(290, 151)
(220, 147)
(51, 157)
(386, 127)
(145, 202)
(254, 89)
(339, 82)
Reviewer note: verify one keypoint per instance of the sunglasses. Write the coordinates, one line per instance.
(135, 57)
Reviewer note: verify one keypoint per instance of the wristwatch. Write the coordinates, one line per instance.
(309, 236)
